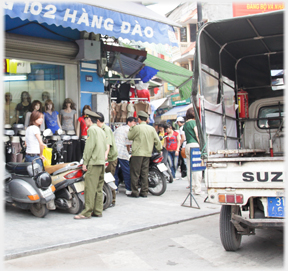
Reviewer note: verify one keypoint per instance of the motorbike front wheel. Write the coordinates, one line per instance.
(107, 196)
(39, 210)
(157, 182)
(77, 205)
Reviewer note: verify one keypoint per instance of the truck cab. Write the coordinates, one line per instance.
(240, 73)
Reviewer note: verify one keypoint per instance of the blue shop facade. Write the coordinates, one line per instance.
(55, 51)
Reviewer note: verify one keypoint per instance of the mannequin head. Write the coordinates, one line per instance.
(8, 97)
(49, 105)
(45, 96)
(36, 105)
(85, 107)
(68, 103)
(25, 96)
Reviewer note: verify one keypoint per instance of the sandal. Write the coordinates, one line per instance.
(80, 217)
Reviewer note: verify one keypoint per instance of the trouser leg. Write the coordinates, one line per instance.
(92, 194)
(144, 176)
(135, 168)
(126, 173)
(172, 156)
(98, 206)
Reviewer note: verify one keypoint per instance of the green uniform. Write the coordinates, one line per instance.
(144, 138)
(94, 159)
(112, 155)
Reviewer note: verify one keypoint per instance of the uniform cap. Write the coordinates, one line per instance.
(90, 113)
(143, 114)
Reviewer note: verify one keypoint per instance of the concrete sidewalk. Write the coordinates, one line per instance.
(26, 234)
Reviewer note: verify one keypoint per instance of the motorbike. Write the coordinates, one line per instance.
(29, 187)
(157, 175)
(69, 184)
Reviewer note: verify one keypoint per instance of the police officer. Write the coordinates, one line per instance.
(144, 138)
(94, 164)
(111, 153)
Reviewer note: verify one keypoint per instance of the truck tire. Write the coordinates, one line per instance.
(230, 239)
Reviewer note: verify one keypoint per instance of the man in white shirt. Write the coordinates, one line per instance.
(123, 145)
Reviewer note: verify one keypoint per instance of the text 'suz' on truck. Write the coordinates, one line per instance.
(239, 69)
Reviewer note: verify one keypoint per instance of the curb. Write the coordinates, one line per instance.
(96, 239)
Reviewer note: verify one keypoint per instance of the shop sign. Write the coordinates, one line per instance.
(248, 8)
(94, 19)
(176, 100)
(89, 78)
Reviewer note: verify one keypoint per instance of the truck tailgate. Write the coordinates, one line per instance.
(246, 172)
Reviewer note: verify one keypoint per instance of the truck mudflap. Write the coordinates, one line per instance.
(259, 223)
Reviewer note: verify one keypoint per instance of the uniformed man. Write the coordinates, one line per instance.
(94, 164)
(144, 138)
(111, 153)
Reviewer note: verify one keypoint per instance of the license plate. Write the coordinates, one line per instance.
(48, 192)
(162, 167)
(108, 177)
(276, 206)
(79, 186)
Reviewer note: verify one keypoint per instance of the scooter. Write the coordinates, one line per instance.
(28, 186)
(156, 176)
(69, 184)
(157, 180)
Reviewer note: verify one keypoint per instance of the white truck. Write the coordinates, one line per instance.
(240, 73)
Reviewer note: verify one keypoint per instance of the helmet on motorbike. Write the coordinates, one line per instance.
(43, 180)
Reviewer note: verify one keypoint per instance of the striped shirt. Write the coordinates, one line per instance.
(121, 140)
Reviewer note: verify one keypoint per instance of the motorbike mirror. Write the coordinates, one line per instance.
(47, 132)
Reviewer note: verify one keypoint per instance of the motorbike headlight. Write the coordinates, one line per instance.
(43, 180)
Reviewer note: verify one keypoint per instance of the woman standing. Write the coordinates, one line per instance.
(51, 117)
(68, 116)
(34, 143)
(172, 145)
(35, 106)
(192, 140)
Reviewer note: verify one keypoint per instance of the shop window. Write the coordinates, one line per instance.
(192, 32)
(25, 82)
(183, 34)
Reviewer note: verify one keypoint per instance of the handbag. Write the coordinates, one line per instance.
(183, 153)
(47, 153)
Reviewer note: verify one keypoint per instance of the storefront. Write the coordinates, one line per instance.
(52, 51)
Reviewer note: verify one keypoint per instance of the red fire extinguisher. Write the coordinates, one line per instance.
(243, 104)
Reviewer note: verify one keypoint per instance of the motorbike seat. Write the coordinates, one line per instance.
(52, 169)
(18, 168)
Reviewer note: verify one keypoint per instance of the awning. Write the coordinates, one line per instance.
(172, 113)
(157, 103)
(182, 112)
(112, 18)
(173, 74)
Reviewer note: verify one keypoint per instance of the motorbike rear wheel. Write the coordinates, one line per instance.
(77, 205)
(39, 210)
(157, 182)
(107, 196)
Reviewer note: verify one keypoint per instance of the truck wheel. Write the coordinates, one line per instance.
(230, 239)
(39, 210)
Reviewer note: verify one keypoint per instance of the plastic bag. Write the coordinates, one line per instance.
(47, 153)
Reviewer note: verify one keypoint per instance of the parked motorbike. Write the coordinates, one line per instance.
(157, 175)
(28, 186)
(69, 184)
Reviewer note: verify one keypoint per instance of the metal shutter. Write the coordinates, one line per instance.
(33, 48)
